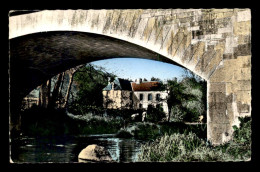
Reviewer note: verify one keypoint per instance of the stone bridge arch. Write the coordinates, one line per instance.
(213, 43)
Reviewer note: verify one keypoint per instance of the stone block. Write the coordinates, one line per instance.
(242, 50)
(228, 56)
(215, 132)
(244, 15)
(200, 49)
(244, 39)
(243, 108)
(214, 62)
(162, 36)
(229, 98)
(188, 54)
(244, 85)
(108, 20)
(230, 113)
(217, 97)
(175, 43)
(242, 74)
(242, 28)
(155, 31)
(148, 28)
(217, 87)
(219, 75)
(244, 97)
(205, 60)
(140, 28)
(229, 88)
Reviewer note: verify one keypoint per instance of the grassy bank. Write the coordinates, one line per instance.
(189, 147)
(55, 122)
(50, 122)
(149, 131)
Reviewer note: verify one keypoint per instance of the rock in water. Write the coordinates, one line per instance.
(94, 153)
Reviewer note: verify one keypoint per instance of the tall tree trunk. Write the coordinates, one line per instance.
(55, 91)
(45, 93)
(71, 73)
(68, 91)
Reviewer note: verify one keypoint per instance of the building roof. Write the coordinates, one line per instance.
(145, 86)
(119, 84)
(122, 84)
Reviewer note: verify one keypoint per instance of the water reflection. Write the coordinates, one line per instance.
(66, 149)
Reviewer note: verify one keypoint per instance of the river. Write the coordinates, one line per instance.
(65, 149)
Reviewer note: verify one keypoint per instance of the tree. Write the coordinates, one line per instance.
(187, 98)
(155, 79)
(198, 88)
(57, 89)
(71, 73)
(44, 94)
(90, 81)
(155, 114)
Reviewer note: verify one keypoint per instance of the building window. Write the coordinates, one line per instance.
(150, 97)
(157, 97)
(141, 96)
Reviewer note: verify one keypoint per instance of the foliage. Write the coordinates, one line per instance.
(123, 134)
(177, 114)
(189, 147)
(143, 130)
(90, 81)
(39, 121)
(95, 124)
(146, 131)
(155, 114)
(187, 98)
(240, 146)
(155, 79)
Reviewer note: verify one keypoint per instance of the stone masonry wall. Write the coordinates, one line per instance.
(213, 43)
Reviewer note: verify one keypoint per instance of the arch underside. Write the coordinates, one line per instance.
(34, 58)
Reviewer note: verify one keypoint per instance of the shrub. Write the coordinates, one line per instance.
(180, 147)
(177, 114)
(240, 146)
(189, 147)
(124, 134)
(155, 114)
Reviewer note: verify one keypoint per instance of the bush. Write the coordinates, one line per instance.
(155, 114)
(124, 134)
(177, 114)
(180, 147)
(146, 131)
(189, 147)
(240, 146)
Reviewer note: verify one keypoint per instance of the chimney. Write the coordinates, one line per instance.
(139, 81)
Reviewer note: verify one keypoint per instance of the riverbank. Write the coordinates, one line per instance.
(188, 147)
(57, 122)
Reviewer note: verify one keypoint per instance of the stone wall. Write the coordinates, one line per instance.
(117, 99)
(213, 43)
(145, 102)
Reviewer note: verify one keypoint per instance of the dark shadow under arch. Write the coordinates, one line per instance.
(34, 58)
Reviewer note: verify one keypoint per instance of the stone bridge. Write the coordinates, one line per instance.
(213, 43)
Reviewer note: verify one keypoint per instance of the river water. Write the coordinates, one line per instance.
(66, 148)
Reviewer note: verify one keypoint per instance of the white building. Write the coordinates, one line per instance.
(147, 93)
(121, 94)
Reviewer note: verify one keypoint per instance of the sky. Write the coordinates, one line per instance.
(133, 68)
